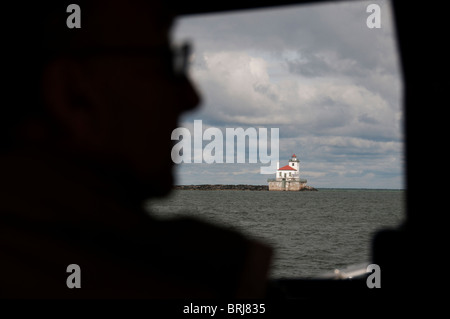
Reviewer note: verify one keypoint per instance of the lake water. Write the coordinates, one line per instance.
(312, 232)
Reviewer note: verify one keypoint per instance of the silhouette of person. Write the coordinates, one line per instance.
(86, 120)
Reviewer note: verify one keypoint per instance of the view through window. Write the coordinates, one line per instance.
(321, 81)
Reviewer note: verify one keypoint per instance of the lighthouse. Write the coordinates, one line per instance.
(288, 176)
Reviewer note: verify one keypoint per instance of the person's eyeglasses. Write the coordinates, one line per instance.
(177, 57)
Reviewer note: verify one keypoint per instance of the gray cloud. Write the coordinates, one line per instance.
(330, 84)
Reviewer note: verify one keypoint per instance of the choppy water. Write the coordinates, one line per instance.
(312, 232)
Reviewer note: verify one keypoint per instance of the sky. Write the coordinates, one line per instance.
(316, 72)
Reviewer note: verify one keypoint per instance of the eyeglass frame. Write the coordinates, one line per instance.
(179, 54)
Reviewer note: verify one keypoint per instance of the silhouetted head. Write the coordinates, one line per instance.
(107, 92)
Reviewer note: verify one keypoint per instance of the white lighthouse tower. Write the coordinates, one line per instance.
(295, 163)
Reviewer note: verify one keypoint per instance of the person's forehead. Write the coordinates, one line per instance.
(121, 22)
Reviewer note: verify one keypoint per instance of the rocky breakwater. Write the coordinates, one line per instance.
(308, 188)
(221, 187)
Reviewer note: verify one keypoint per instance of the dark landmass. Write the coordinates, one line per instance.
(240, 187)
(220, 187)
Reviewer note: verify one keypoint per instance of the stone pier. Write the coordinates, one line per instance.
(286, 185)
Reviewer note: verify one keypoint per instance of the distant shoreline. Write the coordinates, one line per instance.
(239, 187)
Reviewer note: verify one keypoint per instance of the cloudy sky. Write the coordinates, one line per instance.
(330, 84)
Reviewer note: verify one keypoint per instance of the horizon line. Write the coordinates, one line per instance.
(377, 188)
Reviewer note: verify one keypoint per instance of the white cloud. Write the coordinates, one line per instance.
(238, 89)
(330, 84)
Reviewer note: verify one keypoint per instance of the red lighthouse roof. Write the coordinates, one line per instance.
(287, 168)
(294, 155)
